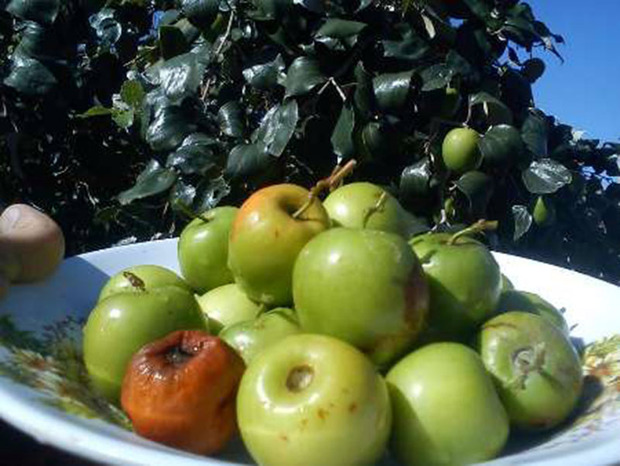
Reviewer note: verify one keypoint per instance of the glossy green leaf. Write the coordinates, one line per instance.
(265, 76)
(247, 161)
(107, 28)
(375, 143)
(364, 96)
(123, 117)
(41, 43)
(501, 146)
(435, 77)
(534, 134)
(133, 93)
(277, 127)
(461, 67)
(154, 179)
(170, 126)
(273, 9)
(182, 196)
(172, 42)
(479, 8)
(342, 137)
(339, 28)
(232, 119)
(97, 110)
(415, 180)
(210, 192)
(522, 221)
(40, 11)
(478, 189)
(410, 47)
(303, 75)
(494, 110)
(30, 77)
(181, 76)
(545, 176)
(195, 155)
(392, 90)
(200, 13)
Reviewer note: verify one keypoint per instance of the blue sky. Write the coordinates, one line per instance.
(584, 91)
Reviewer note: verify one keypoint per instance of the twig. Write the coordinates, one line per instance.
(333, 82)
(218, 50)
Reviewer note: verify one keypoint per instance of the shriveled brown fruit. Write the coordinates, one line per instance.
(181, 391)
(32, 245)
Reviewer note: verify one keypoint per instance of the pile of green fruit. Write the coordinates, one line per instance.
(337, 336)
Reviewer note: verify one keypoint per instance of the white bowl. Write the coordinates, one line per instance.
(43, 393)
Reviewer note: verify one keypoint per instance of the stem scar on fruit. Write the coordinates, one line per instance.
(478, 227)
(378, 207)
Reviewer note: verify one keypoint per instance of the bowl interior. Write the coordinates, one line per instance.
(44, 387)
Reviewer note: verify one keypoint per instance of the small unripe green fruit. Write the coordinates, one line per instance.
(544, 212)
(460, 150)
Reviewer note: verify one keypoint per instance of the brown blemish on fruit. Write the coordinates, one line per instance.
(322, 414)
(276, 233)
(135, 281)
(332, 405)
(352, 407)
(284, 437)
(416, 296)
(304, 423)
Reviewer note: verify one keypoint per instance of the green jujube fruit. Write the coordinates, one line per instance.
(536, 369)
(446, 409)
(140, 278)
(251, 337)
(515, 300)
(227, 305)
(203, 249)
(464, 282)
(121, 324)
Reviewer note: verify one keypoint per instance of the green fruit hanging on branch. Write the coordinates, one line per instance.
(544, 212)
(460, 150)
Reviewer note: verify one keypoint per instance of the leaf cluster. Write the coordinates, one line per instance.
(184, 105)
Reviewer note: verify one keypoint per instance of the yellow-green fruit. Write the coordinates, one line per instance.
(460, 150)
(544, 212)
(227, 305)
(122, 323)
(140, 278)
(446, 409)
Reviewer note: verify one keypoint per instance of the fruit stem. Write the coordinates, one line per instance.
(375, 208)
(190, 213)
(326, 183)
(479, 226)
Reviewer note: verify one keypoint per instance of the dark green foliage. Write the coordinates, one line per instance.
(121, 120)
